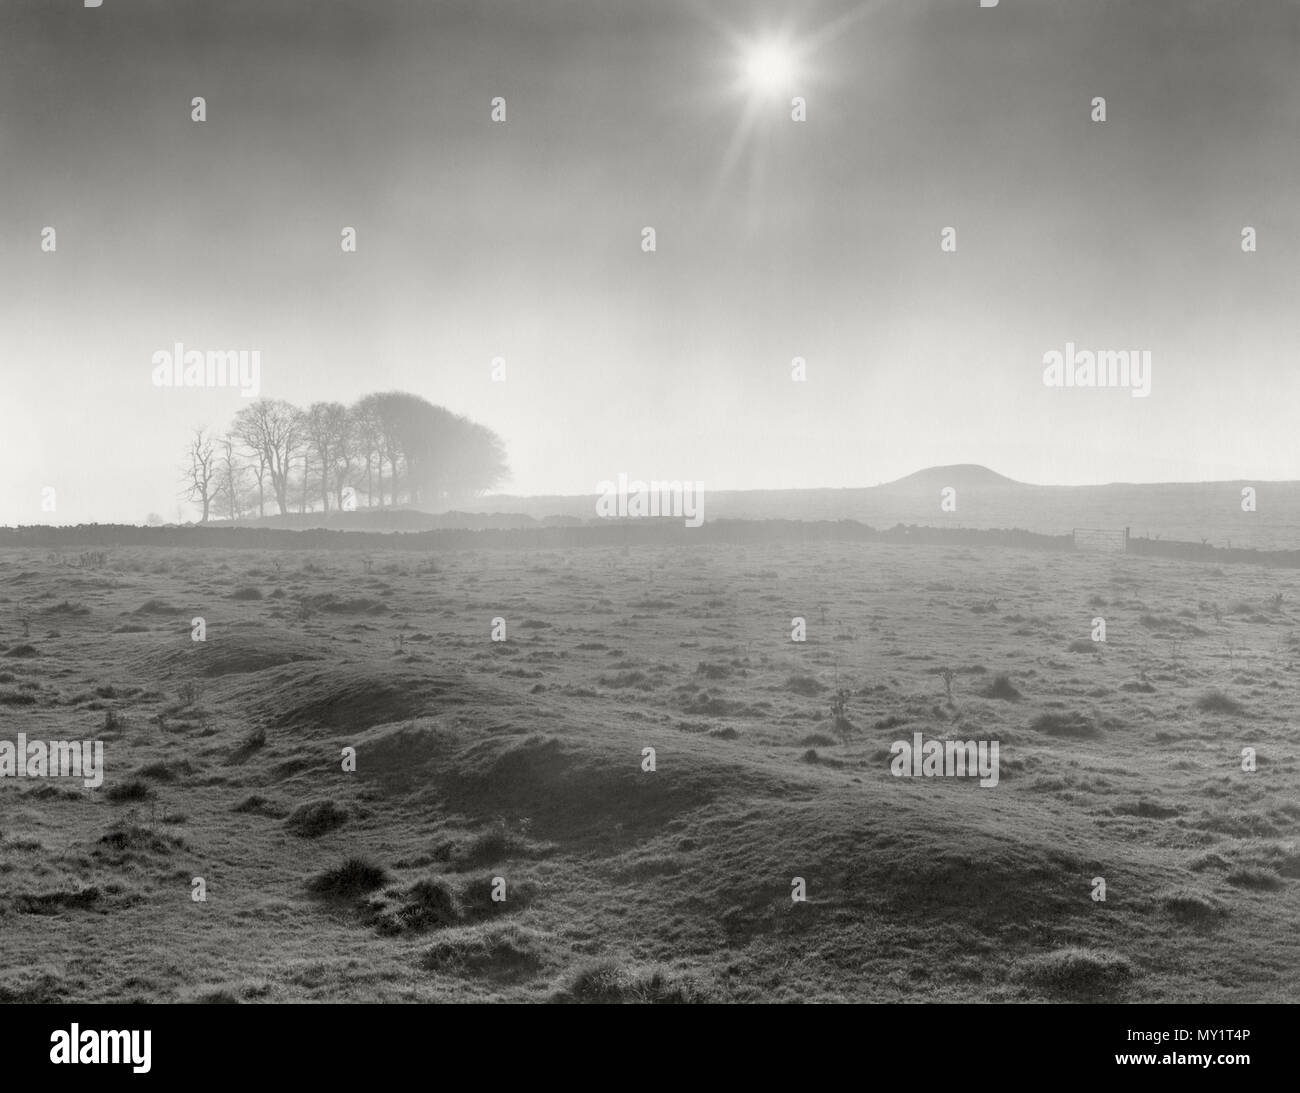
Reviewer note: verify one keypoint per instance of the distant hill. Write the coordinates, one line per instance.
(957, 475)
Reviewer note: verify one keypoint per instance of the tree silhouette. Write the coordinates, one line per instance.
(433, 456)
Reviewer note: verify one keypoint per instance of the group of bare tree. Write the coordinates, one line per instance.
(385, 450)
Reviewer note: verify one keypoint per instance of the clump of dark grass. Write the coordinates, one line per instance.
(1217, 702)
(500, 951)
(51, 903)
(1250, 876)
(1001, 687)
(314, 818)
(804, 685)
(495, 843)
(1072, 724)
(476, 897)
(258, 805)
(1192, 907)
(133, 789)
(131, 839)
(355, 877)
(157, 607)
(429, 905)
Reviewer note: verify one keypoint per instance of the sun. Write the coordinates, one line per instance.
(769, 67)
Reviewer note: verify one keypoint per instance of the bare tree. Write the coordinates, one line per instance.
(384, 411)
(306, 475)
(259, 469)
(230, 492)
(366, 429)
(347, 449)
(273, 428)
(326, 424)
(200, 472)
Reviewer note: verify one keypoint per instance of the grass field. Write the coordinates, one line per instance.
(522, 760)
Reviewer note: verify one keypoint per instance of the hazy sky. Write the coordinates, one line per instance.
(775, 238)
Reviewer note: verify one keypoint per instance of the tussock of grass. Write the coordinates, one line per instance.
(134, 789)
(51, 903)
(1250, 876)
(606, 982)
(497, 951)
(210, 996)
(1193, 907)
(159, 772)
(1150, 810)
(1217, 702)
(258, 805)
(1065, 724)
(32, 987)
(158, 607)
(134, 840)
(355, 877)
(708, 706)
(1001, 687)
(315, 818)
(476, 902)
(1076, 972)
(426, 905)
(804, 685)
(623, 680)
(495, 843)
